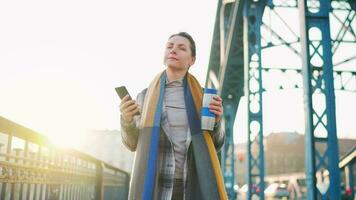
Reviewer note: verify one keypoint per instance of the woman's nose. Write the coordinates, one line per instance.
(173, 50)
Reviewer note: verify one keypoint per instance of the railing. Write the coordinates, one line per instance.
(32, 168)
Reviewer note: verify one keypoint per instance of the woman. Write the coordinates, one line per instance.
(174, 158)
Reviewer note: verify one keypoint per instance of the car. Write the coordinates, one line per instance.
(346, 193)
(276, 190)
(243, 191)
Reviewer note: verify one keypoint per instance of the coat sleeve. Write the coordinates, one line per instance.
(130, 130)
(218, 136)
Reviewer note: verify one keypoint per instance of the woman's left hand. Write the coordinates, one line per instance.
(217, 108)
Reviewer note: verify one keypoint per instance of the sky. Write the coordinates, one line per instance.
(61, 60)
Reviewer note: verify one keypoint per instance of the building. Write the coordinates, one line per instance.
(284, 153)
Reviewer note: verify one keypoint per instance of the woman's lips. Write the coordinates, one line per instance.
(172, 58)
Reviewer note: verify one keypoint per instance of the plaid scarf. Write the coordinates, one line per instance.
(204, 176)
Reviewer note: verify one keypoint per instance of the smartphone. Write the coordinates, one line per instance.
(122, 92)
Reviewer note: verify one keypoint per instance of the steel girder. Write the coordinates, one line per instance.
(320, 122)
(344, 80)
(226, 68)
(225, 72)
(252, 14)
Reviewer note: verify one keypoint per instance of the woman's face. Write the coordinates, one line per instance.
(178, 54)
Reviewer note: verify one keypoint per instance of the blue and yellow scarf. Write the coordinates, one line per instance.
(204, 175)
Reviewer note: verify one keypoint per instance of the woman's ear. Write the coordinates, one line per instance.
(192, 62)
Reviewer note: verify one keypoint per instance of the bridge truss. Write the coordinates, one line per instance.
(319, 37)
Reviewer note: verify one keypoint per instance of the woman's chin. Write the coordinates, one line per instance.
(175, 67)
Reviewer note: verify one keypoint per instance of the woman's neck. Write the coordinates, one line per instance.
(175, 74)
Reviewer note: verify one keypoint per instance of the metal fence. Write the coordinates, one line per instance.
(32, 168)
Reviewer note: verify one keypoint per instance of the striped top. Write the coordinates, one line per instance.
(176, 116)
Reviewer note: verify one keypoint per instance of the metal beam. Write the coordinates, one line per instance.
(253, 11)
(320, 122)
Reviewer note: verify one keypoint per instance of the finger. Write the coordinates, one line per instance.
(126, 97)
(130, 108)
(216, 108)
(217, 113)
(213, 107)
(216, 103)
(125, 101)
(133, 111)
(217, 97)
(127, 104)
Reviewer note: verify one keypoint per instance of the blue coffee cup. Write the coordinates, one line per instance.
(207, 117)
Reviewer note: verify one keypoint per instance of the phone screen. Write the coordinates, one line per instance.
(122, 92)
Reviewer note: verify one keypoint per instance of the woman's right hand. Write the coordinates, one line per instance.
(128, 108)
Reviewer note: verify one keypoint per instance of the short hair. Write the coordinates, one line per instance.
(189, 38)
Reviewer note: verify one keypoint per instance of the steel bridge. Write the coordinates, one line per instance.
(245, 32)
(317, 33)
